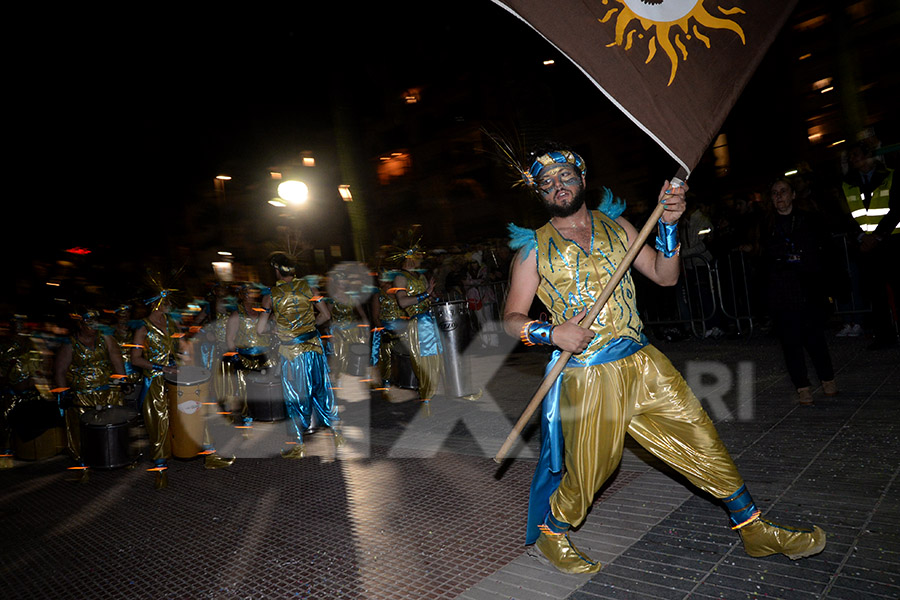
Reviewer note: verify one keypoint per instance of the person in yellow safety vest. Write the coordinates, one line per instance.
(873, 204)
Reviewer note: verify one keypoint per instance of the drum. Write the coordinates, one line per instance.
(106, 435)
(358, 358)
(455, 326)
(265, 397)
(187, 391)
(405, 376)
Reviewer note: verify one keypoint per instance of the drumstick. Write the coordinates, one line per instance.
(564, 357)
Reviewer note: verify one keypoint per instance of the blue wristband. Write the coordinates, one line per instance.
(422, 296)
(537, 332)
(667, 238)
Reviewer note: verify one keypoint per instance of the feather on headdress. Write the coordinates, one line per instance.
(407, 244)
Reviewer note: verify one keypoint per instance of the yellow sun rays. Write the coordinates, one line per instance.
(669, 36)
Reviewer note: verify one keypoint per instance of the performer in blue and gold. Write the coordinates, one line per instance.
(389, 324)
(414, 295)
(296, 310)
(214, 354)
(349, 323)
(123, 334)
(615, 382)
(156, 352)
(252, 349)
(85, 364)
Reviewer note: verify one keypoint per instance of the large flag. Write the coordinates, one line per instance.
(675, 67)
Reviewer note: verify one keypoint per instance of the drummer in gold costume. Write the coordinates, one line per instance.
(349, 324)
(253, 349)
(19, 362)
(297, 309)
(214, 354)
(615, 381)
(414, 296)
(86, 365)
(389, 322)
(123, 334)
(155, 351)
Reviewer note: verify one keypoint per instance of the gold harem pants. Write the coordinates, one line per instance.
(645, 396)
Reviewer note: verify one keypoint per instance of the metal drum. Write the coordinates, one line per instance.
(404, 377)
(454, 322)
(106, 434)
(265, 397)
(187, 391)
(358, 358)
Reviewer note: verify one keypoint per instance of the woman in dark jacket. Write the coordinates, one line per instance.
(792, 245)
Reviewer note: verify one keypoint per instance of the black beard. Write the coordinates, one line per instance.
(568, 210)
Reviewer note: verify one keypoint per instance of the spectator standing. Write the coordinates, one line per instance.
(793, 255)
(873, 204)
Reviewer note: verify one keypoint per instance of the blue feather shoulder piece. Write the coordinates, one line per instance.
(610, 205)
(522, 237)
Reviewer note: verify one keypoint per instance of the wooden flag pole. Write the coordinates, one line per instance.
(564, 357)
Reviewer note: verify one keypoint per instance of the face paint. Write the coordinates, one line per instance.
(564, 177)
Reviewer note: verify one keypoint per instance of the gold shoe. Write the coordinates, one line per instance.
(829, 388)
(162, 480)
(762, 537)
(214, 461)
(426, 408)
(339, 440)
(804, 396)
(297, 452)
(563, 555)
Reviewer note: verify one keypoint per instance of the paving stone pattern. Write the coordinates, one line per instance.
(415, 509)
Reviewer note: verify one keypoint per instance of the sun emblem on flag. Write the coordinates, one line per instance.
(670, 24)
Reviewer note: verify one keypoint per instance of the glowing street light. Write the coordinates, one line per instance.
(293, 192)
(344, 191)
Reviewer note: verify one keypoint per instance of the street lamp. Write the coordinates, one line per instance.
(293, 192)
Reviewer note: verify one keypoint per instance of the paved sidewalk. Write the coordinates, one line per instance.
(835, 464)
(415, 508)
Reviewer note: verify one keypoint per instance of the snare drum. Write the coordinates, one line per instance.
(106, 434)
(187, 392)
(265, 397)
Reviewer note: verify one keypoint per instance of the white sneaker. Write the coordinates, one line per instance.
(714, 333)
(854, 330)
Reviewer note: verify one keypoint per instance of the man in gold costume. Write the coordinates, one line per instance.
(297, 309)
(615, 382)
(86, 365)
(155, 351)
(414, 296)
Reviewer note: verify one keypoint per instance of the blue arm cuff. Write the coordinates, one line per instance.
(667, 238)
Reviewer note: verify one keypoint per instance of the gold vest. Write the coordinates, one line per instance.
(572, 278)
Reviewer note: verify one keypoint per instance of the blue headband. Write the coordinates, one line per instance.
(554, 157)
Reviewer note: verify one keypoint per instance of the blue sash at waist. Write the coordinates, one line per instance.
(253, 350)
(303, 337)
